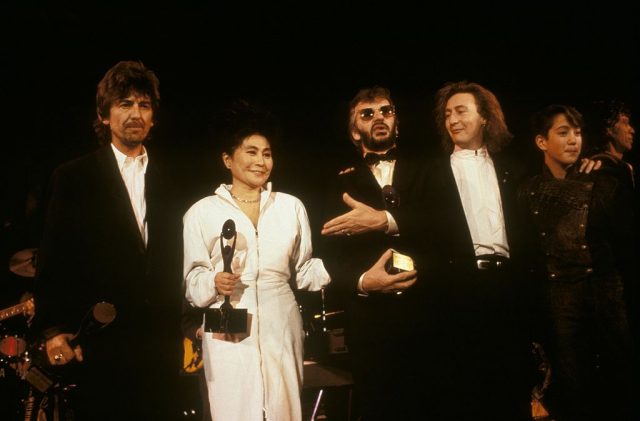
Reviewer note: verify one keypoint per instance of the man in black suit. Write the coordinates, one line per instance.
(476, 310)
(110, 236)
(362, 204)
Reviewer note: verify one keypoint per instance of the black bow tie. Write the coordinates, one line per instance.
(374, 158)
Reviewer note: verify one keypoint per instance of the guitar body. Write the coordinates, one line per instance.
(12, 332)
(27, 309)
(192, 357)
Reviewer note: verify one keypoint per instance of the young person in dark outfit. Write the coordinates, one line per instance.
(578, 219)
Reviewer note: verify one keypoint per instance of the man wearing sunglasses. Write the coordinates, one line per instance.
(362, 203)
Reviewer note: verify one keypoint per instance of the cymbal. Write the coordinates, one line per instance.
(23, 263)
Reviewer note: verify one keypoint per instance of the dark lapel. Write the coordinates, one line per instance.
(507, 181)
(154, 199)
(365, 186)
(404, 175)
(461, 240)
(116, 191)
(460, 235)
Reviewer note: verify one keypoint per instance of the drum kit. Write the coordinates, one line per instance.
(13, 345)
(21, 379)
(35, 388)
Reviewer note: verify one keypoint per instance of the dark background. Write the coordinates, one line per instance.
(304, 62)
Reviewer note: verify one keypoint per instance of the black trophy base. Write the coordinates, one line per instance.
(232, 320)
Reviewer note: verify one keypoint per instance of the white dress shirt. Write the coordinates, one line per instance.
(132, 170)
(383, 173)
(479, 192)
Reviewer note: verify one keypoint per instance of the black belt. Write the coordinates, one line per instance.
(484, 262)
(490, 262)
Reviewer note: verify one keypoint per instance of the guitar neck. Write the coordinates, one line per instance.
(13, 311)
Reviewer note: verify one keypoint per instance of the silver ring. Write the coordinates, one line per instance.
(58, 357)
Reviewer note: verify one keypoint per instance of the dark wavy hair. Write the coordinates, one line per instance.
(122, 80)
(496, 134)
(600, 117)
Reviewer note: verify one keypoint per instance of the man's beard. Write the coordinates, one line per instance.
(134, 137)
(380, 144)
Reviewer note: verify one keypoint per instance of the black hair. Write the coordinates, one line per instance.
(542, 121)
(242, 119)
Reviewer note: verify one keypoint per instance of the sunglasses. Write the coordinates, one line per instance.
(367, 114)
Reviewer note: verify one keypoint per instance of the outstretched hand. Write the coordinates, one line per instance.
(360, 219)
(376, 279)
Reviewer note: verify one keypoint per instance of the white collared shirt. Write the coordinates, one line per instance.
(383, 173)
(479, 192)
(132, 170)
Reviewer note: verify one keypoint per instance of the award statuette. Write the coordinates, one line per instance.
(226, 319)
(399, 263)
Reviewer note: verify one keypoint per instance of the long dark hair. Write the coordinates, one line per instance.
(601, 116)
(496, 134)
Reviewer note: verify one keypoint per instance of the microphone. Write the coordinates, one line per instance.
(99, 315)
(391, 198)
(39, 375)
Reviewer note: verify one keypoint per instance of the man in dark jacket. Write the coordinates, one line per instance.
(362, 203)
(475, 314)
(110, 236)
(579, 220)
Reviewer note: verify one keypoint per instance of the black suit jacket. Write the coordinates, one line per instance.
(92, 251)
(346, 258)
(436, 216)
(377, 325)
(477, 324)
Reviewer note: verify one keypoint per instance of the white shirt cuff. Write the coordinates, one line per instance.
(392, 226)
(361, 291)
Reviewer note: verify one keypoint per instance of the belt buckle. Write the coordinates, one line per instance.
(483, 264)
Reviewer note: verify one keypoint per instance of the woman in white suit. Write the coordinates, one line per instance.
(257, 375)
